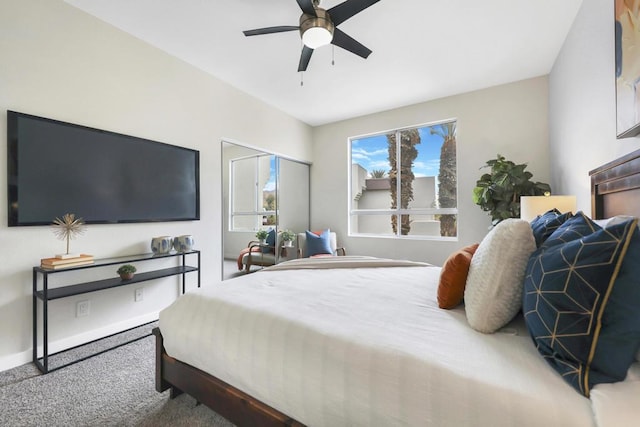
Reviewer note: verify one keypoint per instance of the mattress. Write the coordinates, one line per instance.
(367, 346)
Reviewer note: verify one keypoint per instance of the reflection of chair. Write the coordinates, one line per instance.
(261, 255)
(302, 245)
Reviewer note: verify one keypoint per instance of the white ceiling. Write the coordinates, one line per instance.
(422, 49)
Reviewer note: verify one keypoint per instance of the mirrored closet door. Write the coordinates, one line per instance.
(260, 190)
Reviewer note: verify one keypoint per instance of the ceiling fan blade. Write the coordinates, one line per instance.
(307, 7)
(341, 39)
(305, 57)
(347, 9)
(270, 30)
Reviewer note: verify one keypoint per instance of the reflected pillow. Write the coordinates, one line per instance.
(544, 225)
(453, 277)
(318, 244)
(568, 285)
(493, 295)
(271, 242)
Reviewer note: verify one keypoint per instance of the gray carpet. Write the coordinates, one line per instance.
(115, 388)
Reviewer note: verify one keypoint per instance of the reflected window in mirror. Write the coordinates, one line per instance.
(253, 192)
(260, 190)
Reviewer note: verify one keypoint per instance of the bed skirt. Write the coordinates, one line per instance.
(229, 402)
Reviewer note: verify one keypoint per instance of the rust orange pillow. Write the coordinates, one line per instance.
(453, 277)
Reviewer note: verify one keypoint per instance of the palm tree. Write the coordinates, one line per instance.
(408, 153)
(447, 188)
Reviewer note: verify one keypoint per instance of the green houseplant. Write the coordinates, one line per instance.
(499, 192)
(262, 235)
(126, 271)
(287, 237)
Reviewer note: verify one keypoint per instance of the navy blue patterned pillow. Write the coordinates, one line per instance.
(620, 332)
(620, 335)
(544, 225)
(572, 228)
(567, 288)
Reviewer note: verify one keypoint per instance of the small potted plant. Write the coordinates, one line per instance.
(287, 237)
(262, 236)
(126, 271)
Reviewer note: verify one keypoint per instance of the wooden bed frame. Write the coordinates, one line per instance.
(615, 190)
(615, 187)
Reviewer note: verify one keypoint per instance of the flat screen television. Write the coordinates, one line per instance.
(104, 177)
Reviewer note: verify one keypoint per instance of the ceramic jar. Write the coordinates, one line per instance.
(183, 243)
(161, 245)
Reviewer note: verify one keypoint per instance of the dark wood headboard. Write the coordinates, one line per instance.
(615, 187)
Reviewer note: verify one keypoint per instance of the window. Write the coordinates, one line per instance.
(253, 192)
(404, 183)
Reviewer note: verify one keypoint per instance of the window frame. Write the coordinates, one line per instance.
(398, 211)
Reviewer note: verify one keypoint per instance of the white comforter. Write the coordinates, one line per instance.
(366, 347)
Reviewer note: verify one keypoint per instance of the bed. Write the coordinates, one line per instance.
(296, 344)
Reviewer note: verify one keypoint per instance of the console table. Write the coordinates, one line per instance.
(45, 294)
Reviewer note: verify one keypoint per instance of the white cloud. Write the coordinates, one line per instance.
(368, 153)
(379, 164)
(381, 152)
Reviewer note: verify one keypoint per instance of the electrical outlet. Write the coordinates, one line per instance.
(82, 308)
(138, 294)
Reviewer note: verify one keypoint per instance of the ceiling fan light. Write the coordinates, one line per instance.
(316, 37)
(316, 31)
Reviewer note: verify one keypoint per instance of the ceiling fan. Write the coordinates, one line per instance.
(318, 28)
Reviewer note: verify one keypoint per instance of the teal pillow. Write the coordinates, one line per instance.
(544, 225)
(568, 286)
(317, 245)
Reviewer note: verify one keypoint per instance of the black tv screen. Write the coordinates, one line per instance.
(56, 168)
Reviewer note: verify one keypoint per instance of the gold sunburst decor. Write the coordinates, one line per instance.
(69, 227)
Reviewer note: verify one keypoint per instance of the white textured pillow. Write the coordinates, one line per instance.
(493, 295)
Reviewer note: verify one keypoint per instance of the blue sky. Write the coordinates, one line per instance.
(372, 152)
(271, 184)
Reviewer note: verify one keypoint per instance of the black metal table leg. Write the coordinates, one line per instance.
(45, 326)
(35, 317)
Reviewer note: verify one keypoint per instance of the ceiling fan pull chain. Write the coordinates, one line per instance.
(302, 78)
(333, 51)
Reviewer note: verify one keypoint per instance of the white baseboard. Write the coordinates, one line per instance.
(18, 359)
(13, 360)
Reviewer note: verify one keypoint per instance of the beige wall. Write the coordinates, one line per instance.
(582, 103)
(510, 120)
(58, 62)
